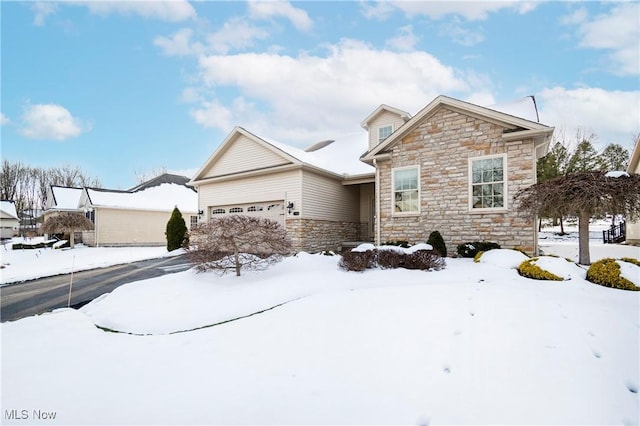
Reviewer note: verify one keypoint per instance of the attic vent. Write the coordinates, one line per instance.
(517, 129)
(319, 145)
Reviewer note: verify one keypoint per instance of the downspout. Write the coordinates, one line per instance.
(377, 196)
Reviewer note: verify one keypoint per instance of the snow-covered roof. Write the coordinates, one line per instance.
(9, 208)
(163, 197)
(66, 198)
(341, 157)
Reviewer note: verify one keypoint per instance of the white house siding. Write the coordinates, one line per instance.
(8, 226)
(244, 155)
(121, 227)
(383, 119)
(281, 186)
(326, 198)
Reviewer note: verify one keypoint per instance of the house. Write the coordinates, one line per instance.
(453, 167)
(123, 218)
(9, 221)
(134, 217)
(633, 228)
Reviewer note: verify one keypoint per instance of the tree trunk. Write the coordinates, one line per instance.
(561, 226)
(583, 239)
(539, 224)
(71, 239)
(237, 259)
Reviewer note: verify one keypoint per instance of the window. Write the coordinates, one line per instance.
(254, 209)
(193, 221)
(218, 211)
(488, 182)
(384, 132)
(406, 190)
(235, 210)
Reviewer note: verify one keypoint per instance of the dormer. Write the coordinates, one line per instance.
(382, 122)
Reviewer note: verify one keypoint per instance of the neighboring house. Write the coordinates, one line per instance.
(123, 218)
(135, 217)
(453, 167)
(9, 221)
(633, 228)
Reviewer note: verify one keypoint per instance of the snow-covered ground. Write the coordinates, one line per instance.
(307, 343)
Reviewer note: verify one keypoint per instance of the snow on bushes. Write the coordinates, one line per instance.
(420, 256)
(620, 274)
(551, 268)
(471, 249)
(502, 257)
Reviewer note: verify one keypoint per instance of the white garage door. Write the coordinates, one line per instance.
(273, 210)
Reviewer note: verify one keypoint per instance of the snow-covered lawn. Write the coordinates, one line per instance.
(474, 343)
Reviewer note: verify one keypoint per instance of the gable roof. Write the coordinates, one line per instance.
(65, 198)
(159, 180)
(339, 158)
(9, 209)
(403, 114)
(519, 127)
(163, 197)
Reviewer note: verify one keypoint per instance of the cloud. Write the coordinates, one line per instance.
(269, 9)
(179, 44)
(611, 115)
(50, 121)
(164, 10)
(617, 32)
(406, 40)
(236, 33)
(460, 35)
(306, 98)
(4, 119)
(469, 10)
(41, 10)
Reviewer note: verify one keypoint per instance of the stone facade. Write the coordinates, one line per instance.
(312, 235)
(442, 146)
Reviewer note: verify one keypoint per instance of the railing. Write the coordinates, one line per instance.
(615, 234)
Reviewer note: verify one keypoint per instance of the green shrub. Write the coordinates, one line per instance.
(176, 231)
(606, 272)
(631, 260)
(530, 270)
(436, 240)
(470, 249)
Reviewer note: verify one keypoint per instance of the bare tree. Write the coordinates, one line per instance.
(67, 222)
(585, 195)
(142, 176)
(231, 243)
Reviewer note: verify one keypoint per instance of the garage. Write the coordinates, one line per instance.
(273, 210)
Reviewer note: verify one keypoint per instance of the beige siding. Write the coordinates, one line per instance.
(327, 199)
(383, 119)
(283, 186)
(120, 227)
(244, 155)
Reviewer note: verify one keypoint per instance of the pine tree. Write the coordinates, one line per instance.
(584, 158)
(614, 157)
(176, 230)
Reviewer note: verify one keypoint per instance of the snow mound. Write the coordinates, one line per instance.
(504, 258)
(617, 174)
(368, 246)
(630, 271)
(560, 267)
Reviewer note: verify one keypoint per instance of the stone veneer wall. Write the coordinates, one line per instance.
(442, 145)
(313, 235)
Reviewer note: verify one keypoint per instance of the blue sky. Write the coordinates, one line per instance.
(123, 88)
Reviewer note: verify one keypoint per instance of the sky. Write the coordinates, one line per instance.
(124, 88)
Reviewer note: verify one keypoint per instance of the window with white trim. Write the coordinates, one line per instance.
(487, 182)
(235, 210)
(384, 132)
(218, 211)
(254, 209)
(406, 189)
(193, 221)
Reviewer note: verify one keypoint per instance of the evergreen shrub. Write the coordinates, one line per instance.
(529, 269)
(176, 231)
(436, 240)
(470, 249)
(606, 272)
